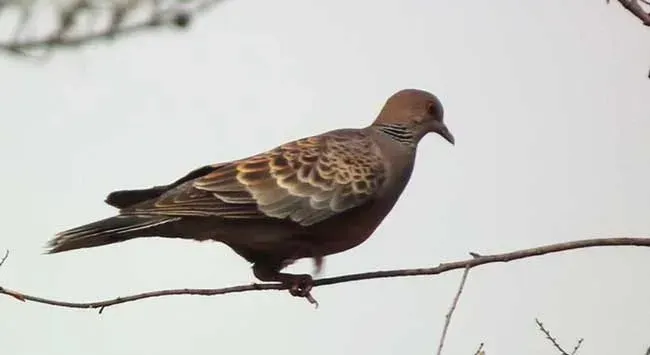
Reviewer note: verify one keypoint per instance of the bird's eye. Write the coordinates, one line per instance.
(431, 109)
(434, 111)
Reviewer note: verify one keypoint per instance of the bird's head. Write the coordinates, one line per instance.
(413, 112)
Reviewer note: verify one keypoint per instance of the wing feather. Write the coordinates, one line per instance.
(307, 181)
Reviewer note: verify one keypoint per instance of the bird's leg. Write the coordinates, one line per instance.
(318, 264)
(299, 285)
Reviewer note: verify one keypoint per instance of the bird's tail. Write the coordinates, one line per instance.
(106, 231)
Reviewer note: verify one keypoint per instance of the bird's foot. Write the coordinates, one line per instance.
(319, 261)
(299, 285)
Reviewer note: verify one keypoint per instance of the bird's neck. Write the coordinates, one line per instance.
(398, 132)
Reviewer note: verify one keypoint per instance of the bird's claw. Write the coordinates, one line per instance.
(300, 286)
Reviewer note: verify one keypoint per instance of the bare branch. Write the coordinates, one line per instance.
(177, 16)
(452, 308)
(445, 267)
(480, 351)
(554, 341)
(635, 8)
(55, 40)
(549, 337)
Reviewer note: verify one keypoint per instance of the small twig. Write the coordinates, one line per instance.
(578, 344)
(452, 308)
(635, 9)
(551, 339)
(2, 261)
(479, 351)
(56, 41)
(442, 268)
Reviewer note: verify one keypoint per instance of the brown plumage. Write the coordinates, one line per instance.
(312, 197)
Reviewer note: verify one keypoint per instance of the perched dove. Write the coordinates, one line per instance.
(312, 197)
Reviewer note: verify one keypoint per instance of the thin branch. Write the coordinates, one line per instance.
(635, 8)
(452, 308)
(445, 267)
(549, 337)
(179, 16)
(554, 341)
(578, 344)
(2, 261)
(480, 351)
(54, 41)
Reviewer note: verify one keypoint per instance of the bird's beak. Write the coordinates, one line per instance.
(444, 132)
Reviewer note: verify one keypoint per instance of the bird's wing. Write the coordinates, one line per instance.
(307, 181)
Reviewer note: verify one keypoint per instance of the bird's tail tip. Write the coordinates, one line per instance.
(107, 231)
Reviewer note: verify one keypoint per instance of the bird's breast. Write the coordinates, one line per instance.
(350, 229)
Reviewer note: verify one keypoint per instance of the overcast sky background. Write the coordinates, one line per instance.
(550, 105)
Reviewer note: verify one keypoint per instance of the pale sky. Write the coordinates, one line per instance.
(550, 105)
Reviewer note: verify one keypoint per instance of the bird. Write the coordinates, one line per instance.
(308, 198)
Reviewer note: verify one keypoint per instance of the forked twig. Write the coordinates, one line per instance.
(553, 341)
